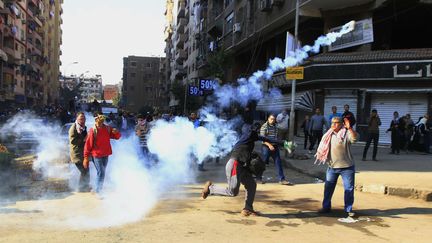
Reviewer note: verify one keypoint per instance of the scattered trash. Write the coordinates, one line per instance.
(348, 220)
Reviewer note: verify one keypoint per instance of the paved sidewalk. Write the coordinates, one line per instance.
(407, 174)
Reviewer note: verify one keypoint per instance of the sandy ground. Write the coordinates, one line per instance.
(288, 215)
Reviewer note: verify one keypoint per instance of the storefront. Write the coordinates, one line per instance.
(386, 102)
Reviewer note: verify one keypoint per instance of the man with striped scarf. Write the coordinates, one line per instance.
(335, 150)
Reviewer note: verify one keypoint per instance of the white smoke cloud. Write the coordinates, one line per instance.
(132, 188)
(43, 137)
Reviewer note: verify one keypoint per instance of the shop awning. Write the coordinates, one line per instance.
(304, 101)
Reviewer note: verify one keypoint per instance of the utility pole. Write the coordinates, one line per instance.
(293, 83)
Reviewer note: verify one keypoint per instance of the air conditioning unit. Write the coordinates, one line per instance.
(264, 5)
(277, 2)
(237, 28)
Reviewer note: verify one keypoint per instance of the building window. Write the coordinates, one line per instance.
(133, 64)
(148, 64)
(131, 87)
(133, 75)
(229, 23)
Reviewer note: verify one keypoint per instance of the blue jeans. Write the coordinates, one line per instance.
(348, 175)
(277, 159)
(100, 164)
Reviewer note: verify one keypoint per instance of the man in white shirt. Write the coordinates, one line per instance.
(282, 124)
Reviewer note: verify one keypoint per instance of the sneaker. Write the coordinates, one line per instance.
(310, 151)
(206, 190)
(351, 214)
(247, 213)
(286, 183)
(324, 210)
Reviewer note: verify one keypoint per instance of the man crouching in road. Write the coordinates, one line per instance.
(98, 146)
(335, 150)
(237, 170)
(77, 138)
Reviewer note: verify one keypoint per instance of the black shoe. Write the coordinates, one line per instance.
(375, 159)
(363, 159)
(324, 210)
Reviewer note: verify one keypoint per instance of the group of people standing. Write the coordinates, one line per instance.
(314, 126)
(407, 135)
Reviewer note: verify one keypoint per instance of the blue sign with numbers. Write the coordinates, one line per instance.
(206, 84)
(195, 91)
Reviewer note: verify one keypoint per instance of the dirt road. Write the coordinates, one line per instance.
(288, 215)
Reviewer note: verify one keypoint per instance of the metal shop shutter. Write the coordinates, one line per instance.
(386, 104)
(339, 99)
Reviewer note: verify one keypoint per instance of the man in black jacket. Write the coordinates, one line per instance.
(237, 171)
(348, 114)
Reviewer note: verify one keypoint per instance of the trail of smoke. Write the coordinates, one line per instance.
(250, 88)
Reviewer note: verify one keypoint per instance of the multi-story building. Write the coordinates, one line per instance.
(182, 48)
(110, 91)
(385, 61)
(141, 83)
(52, 42)
(90, 89)
(30, 38)
(168, 32)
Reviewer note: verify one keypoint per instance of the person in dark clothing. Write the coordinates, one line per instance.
(305, 126)
(373, 135)
(316, 127)
(348, 114)
(237, 171)
(77, 138)
(395, 133)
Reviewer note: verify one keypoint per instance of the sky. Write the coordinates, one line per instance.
(99, 33)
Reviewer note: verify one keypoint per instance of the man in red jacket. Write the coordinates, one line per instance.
(98, 146)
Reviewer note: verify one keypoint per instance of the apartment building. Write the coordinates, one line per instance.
(142, 86)
(90, 89)
(30, 39)
(385, 61)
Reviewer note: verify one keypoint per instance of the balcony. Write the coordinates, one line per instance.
(180, 40)
(181, 9)
(168, 34)
(215, 26)
(181, 25)
(179, 71)
(180, 56)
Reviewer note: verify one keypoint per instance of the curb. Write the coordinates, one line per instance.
(410, 193)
